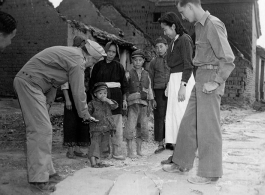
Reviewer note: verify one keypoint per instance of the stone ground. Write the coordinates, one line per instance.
(243, 161)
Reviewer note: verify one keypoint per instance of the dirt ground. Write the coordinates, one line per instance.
(13, 178)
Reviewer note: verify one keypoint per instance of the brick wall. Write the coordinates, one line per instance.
(131, 33)
(39, 27)
(86, 12)
(240, 86)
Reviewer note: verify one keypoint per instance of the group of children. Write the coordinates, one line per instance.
(139, 99)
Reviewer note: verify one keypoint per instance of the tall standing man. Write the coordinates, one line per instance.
(200, 126)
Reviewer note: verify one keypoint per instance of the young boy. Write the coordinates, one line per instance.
(159, 74)
(139, 97)
(100, 108)
(200, 126)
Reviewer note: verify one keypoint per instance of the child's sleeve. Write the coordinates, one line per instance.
(150, 95)
(114, 105)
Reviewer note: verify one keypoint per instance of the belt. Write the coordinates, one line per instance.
(209, 67)
(113, 84)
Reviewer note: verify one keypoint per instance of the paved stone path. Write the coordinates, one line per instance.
(243, 162)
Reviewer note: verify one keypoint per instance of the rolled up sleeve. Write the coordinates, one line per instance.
(76, 80)
(217, 37)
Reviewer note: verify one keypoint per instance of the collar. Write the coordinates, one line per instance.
(141, 69)
(204, 18)
(176, 37)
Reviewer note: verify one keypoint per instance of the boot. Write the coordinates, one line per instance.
(130, 149)
(115, 153)
(139, 146)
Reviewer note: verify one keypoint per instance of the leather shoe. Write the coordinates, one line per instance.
(43, 186)
(159, 149)
(202, 180)
(173, 168)
(55, 178)
(168, 161)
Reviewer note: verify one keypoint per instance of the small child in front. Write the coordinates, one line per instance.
(139, 97)
(100, 108)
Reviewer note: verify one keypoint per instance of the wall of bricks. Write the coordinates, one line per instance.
(86, 12)
(240, 86)
(39, 27)
(131, 33)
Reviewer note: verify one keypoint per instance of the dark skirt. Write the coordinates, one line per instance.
(75, 132)
(160, 114)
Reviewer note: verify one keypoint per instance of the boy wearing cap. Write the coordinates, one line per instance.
(159, 74)
(139, 96)
(100, 108)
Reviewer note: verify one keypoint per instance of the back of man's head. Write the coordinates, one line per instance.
(185, 2)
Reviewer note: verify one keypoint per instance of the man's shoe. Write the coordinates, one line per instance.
(173, 168)
(168, 161)
(159, 149)
(202, 180)
(43, 186)
(55, 178)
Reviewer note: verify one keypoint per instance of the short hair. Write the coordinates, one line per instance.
(184, 2)
(171, 18)
(7, 23)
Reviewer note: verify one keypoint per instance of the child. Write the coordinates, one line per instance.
(159, 74)
(100, 108)
(138, 97)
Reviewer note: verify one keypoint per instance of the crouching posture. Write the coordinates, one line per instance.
(139, 97)
(100, 108)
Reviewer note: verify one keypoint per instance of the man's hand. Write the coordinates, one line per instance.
(209, 87)
(182, 93)
(89, 120)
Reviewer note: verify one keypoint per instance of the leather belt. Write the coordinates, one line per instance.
(208, 67)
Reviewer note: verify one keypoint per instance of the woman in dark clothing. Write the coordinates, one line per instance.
(181, 82)
(76, 133)
(112, 73)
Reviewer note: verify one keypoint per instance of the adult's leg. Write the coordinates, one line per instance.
(186, 145)
(208, 128)
(159, 115)
(38, 131)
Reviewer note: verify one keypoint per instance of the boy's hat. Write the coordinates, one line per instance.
(99, 86)
(138, 53)
(94, 49)
(160, 40)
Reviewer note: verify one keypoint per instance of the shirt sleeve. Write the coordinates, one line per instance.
(123, 80)
(93, 78)
(76, 80)
(151, 72)
(65, 86)
(217, 37)
(186, 53)
(150, 95)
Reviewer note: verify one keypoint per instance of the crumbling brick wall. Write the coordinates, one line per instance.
(39, 27)
(86, 12)
(131, 32)
(240, 86)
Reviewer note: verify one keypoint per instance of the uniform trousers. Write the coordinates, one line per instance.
(38, 131)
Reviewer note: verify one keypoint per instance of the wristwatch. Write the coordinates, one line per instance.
(183, 84)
